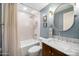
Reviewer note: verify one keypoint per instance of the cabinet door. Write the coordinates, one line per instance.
(55, 52)
(50, 51)
(46, 51)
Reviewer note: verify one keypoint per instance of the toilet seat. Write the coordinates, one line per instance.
(34, 49)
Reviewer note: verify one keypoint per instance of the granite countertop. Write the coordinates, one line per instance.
(67, 47)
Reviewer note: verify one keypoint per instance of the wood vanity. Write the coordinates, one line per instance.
(50, 51)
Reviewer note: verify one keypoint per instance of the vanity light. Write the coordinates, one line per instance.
(50, 13)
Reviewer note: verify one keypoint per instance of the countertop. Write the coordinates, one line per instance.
(68, 47)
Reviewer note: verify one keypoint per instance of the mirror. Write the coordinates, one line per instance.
(64, 17)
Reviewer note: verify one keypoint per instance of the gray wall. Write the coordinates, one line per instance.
(44, 31)
(0, 29)
(73, 32)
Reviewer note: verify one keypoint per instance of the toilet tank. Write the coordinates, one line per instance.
(26, 44)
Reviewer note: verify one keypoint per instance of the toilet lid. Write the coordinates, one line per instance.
(34, 49)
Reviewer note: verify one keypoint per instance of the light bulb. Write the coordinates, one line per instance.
(25, 8)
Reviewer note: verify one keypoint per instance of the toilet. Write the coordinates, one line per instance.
(34, 51)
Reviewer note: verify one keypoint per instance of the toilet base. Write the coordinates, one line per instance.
(35, 54)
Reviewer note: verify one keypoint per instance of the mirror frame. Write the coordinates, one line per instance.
(54, 18)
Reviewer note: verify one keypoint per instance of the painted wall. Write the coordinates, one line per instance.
(73, 32)
(44, 32)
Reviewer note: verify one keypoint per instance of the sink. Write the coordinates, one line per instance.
(66, 47)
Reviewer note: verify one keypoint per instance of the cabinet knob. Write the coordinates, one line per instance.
(52, 53)
(49, 51)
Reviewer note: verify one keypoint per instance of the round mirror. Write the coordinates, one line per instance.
(64, 17)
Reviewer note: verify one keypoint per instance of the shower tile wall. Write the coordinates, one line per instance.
(25, 26)
(28, 23)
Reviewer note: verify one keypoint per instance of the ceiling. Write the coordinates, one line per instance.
(36, 6)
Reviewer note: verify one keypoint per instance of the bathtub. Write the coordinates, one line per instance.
(26, 44)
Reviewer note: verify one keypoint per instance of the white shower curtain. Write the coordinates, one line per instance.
(11, 43)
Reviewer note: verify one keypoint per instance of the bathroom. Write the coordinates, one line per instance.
(39, 29)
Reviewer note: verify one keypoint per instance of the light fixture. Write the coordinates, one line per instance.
(50, 12)
(33, 12)
(24, 8)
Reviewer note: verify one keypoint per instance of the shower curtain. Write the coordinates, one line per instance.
(11, 43)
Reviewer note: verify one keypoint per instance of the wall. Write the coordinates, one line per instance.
(25, 26)
(28, 24)
(44, 32)
(73, 31)
(36, 25)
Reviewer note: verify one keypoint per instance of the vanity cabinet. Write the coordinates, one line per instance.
(49, 51)
(46, 50)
